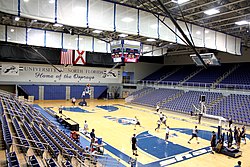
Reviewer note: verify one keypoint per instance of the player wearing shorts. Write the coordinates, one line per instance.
(137, 122)
(158, 125)
(167, 134)
(134, 148)
(243, 134)
(194, 134)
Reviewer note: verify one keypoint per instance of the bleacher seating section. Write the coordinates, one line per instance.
(180, 74)
(232, 106)
(33, 132)
(238, 79)
(156, 96)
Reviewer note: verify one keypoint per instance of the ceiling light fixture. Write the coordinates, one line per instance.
(78, 39)
(123, 35)
(242, 22)
(180, 1)
(51, 1)
(12, 30)
(151, 40)
(127, 19)
(211, 11)
(57, 25)
(17, 18)
(97, 31)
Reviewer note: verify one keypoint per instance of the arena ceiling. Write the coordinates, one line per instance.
(192, 11)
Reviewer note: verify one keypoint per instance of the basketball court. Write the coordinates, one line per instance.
(113, 122)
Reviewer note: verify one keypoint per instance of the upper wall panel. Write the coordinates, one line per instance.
(72, 12)
(148, 25)
(38, 9)
(9, 6)
(126, 20)
(101, 15)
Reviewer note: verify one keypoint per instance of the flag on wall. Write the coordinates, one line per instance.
(66, 56)
(80, 57)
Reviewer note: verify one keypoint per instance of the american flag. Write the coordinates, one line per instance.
(66, 56)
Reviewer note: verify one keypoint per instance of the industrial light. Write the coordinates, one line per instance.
(78, 39)
(198, 32)
(51, 1)
(211, 11)
(123, 35)
(12, 30)
(180, 1)
(17, 18)
(242, 22)
(97, 31)
(151, 40)
(127, 19)
(57, 25)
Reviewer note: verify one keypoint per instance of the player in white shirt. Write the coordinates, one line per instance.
(157, 108)
(86, 127)
(194, 134)
(161, 116)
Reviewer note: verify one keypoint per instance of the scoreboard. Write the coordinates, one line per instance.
(125, 51)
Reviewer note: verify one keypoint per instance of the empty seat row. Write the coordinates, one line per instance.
(63, 147)
(51, 163)
(52, 147)
(32, 161)
(34, 137)
(20, 134)
(6, 131)
(12, 160)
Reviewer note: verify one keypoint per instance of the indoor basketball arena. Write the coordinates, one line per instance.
(115, 83)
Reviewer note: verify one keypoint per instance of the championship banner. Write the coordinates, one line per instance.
(80, 57)
(10, 69)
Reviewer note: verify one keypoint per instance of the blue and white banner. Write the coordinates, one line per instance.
(30, 73)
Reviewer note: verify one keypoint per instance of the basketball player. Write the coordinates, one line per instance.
(158, 125)
(164, 120)
(92, 136)
(137, 122)
(213, 142)
(134, 148)
(194, 134)
(161, 116)
(60, 110)
(157, 108)
(167, 134)
(73, 101)
(243, 133)
(86, 127)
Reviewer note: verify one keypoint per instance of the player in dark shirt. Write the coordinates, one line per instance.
(92, 137)
(134, 149)
(213, 142)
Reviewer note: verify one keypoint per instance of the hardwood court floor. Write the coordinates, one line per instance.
(113, 128)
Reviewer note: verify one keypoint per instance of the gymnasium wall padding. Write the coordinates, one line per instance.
(32, 90)
(99, 90)
(54, 92)
(76, 91)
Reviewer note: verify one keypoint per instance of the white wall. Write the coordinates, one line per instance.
(141, 70)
